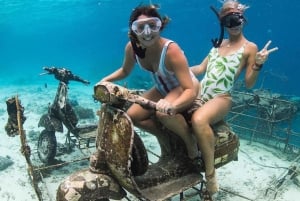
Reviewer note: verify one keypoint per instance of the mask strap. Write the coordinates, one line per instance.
(217, 41)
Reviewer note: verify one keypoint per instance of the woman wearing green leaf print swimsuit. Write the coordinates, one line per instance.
(222, 66)
(220, 73)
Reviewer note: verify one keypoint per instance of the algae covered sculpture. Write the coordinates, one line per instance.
(11, 126)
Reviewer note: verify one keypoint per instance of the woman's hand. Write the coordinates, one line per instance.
(165, 107)
(262, 56)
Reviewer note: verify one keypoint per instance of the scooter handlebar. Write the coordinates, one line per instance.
(149, 104)
(107, 92)
(63, 74)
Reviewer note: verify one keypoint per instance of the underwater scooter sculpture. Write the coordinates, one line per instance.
(121, 164)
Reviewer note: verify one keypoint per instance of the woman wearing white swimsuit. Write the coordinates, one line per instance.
(222, 66)
(175, 86)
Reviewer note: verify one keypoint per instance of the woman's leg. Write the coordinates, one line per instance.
(178, 124)
(141, 116)
(210, 113)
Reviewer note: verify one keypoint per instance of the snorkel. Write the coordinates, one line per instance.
(217, 41)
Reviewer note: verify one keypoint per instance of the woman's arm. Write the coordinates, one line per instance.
(251, 74)
(176, 61)
(201, 68)
(255, 62)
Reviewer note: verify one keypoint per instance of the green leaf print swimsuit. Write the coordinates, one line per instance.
(220, 73)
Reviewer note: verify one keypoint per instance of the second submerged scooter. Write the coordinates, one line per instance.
(61, 114)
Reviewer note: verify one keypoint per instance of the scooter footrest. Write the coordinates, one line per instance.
(173, 186)
(165, 170)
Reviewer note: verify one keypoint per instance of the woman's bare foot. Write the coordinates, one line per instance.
(212, 185)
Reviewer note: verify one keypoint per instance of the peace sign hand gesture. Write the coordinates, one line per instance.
(262, 56)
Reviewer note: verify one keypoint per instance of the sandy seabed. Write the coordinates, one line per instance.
(259, 168)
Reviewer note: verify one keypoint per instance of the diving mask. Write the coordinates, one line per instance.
(146, 25)
(233, 19)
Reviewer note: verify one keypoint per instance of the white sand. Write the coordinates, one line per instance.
(245, 179)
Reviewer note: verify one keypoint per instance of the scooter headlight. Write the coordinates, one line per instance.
(101, 94)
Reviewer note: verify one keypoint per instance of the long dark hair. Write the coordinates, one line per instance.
(148, 10)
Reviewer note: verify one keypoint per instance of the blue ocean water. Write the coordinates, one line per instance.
(88, 36)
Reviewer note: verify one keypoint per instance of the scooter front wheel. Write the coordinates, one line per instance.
(47, 145)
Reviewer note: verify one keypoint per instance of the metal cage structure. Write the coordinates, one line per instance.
(265, 117)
